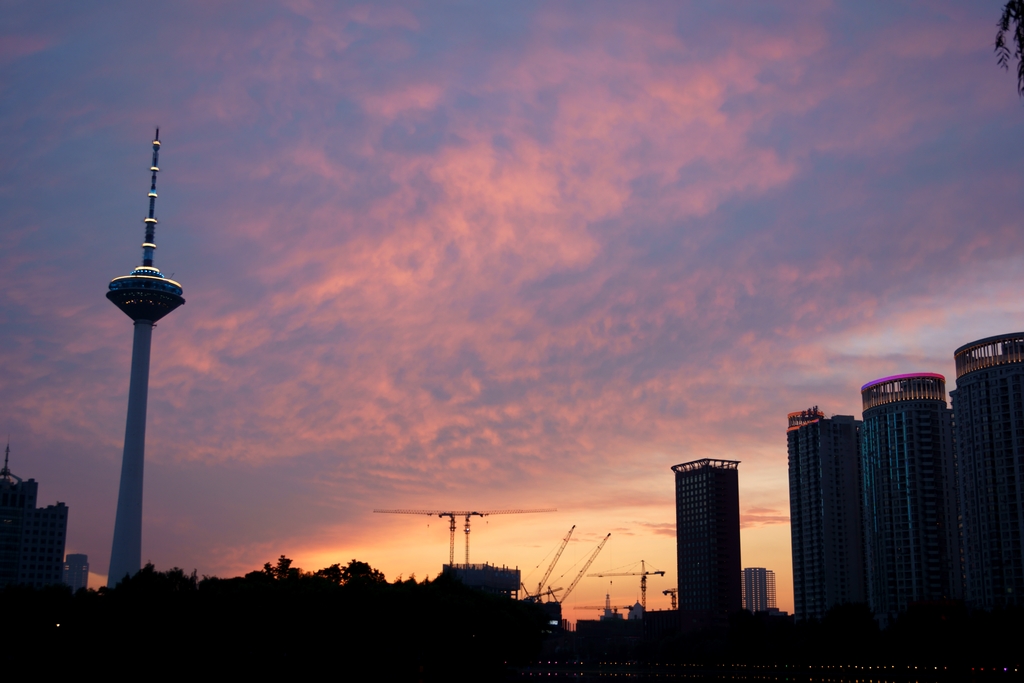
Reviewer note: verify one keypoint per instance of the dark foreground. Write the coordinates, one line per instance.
(341, 622)
(583, 672)
(349, 622)
(931, 642)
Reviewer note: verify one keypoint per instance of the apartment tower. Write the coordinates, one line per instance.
(31, 539)
(707, 542)
(989, 411)
(825, 511)
(911, 535)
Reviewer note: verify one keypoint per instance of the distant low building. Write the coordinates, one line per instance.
(758, 589)
(632, 629)
(31, 538)
(76, 571)
(661, 623)
(553, 611)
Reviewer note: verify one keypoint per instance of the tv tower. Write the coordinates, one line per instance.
(145, 296)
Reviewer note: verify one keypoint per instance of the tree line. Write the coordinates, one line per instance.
(344, 620)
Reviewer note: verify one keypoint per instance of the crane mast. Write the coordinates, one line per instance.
(452, 514)
(643, 574)
(590, 560)
(551, 567)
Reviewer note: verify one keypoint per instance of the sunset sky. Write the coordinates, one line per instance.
(486, 254)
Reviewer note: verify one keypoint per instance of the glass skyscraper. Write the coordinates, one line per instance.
(826, 511)
(989, 412)
(911, 534)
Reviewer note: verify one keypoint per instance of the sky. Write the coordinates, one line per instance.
(486, 255)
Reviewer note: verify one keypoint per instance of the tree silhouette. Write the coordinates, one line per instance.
(283, 570)
(360, 573)
(332, 573)
(1013, 14)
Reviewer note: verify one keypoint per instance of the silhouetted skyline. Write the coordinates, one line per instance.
(508, 255)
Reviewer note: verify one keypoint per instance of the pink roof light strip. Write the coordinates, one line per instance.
(933, 375)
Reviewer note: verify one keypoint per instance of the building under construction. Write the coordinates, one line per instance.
(487, 578)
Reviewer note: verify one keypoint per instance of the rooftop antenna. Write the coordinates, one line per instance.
(5, 473)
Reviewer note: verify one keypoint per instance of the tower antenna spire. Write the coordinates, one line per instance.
(5, 473)
(150, 244)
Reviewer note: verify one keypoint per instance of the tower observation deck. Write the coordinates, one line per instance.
(145, 296)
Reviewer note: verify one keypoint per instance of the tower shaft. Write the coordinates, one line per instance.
(145, 296)
(126, 553)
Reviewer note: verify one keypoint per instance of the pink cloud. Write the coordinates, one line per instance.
(14, 47)
(758, 516)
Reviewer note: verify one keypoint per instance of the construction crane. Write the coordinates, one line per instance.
(586, 566)
(540, 584)
(452, 514)
(610, 610)
(549, 593)
(643, 574)
(671, 592)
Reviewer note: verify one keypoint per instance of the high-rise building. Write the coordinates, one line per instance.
(825, 511)
(31, 538)
(708, 542)
(76, 571)
(912, 548)
(989, 422)
(146, 296)
(758, 589)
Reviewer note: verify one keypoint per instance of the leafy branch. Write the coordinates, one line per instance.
(1013, 13)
